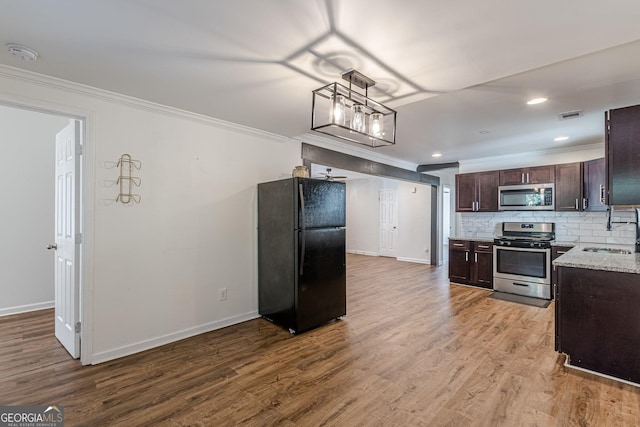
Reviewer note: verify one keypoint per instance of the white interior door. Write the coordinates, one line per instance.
(67, 240)
(388, 223)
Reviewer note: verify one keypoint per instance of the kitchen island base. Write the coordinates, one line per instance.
(598, 321)
(567, 364)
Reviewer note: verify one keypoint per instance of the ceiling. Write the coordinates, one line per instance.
(458, 74)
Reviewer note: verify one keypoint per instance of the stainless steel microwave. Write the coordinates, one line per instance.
(526, 197)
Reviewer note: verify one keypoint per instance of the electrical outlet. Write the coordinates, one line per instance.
(223, 294)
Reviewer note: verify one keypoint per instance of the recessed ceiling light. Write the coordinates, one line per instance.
(484, 131)
(561, 138)
(535, 101)
(23, 52)
(436, 155)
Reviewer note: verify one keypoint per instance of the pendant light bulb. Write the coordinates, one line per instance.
(358, 118)
(375, 128)
(338, 110)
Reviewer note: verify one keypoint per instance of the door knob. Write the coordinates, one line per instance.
(54, 246)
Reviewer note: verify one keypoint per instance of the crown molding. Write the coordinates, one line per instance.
(18, 74)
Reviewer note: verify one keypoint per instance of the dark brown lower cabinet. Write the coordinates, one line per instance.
(471, 263)
(598, 321)
(459, 252)
(556, 251)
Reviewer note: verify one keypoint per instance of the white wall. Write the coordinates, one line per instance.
(414, 222)
(155, 268)
(362, 216)
(27, 142)
(534, 158)
(414, 218)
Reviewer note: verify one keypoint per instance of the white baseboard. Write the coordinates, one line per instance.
(362, 253)
(127, 350)
(26, 308)
(416, 260)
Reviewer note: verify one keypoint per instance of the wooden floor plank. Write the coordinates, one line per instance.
(412, 350)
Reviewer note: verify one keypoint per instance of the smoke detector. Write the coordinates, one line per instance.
(23, 52)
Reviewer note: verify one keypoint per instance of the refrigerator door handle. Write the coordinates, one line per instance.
(302, 248)
(301, 191)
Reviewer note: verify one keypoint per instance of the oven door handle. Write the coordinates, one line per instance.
(520, 284)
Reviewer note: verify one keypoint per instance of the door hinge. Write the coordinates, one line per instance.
(78, 238)
(79, 150)
(78, 327)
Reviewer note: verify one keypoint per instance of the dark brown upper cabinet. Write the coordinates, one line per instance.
(594, 185)
(568, 187)
(622, 151)
(477, 192)
(533, 175)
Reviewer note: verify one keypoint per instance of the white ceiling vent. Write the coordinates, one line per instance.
(570, 115)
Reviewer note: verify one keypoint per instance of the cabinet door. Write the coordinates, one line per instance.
(459, 255)
(487, 191)
(598, 315)
(465, 192)
(594, 189)
(623, 153)
(540, 175)
(482, 270)
(569, 187)
(556, 251)
(512, 176)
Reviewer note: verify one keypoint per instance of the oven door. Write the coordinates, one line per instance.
(522, 271)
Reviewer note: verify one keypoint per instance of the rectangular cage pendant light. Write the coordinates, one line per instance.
(346, 114)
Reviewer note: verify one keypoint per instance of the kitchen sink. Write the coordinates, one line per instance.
(607, 251)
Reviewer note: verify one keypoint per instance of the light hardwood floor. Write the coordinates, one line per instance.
(412, 350)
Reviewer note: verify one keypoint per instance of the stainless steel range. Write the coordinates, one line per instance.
(522, 259)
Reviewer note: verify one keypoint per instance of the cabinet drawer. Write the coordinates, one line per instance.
(460, 244)
(483, 247)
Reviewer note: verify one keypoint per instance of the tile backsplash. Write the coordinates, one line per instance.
(580, 227)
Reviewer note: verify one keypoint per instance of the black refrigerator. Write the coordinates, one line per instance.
(301, 252)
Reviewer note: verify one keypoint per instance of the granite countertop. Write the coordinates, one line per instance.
(473, 239)
(570, 243)
(624, 263)
(490, 240)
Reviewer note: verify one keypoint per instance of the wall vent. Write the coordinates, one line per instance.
(570, 115)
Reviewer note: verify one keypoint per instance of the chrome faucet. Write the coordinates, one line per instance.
(637, 223)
